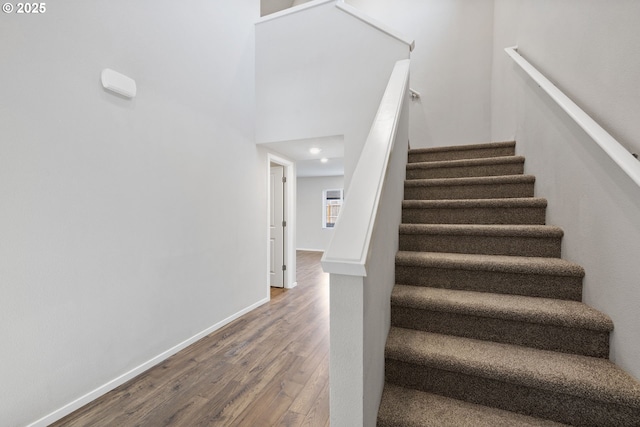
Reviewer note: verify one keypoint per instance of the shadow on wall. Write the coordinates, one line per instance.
(267, 7)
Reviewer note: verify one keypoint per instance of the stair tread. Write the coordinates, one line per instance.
(413, 408)
(472, 203)
(546, 311)
(479, 180)
(500, 230)
(462, 147)
(498, 263)
(465, 162)
(581, 376)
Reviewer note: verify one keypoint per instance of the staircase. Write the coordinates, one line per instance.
(487, 323)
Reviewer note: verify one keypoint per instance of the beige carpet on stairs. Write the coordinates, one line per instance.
(488, 327)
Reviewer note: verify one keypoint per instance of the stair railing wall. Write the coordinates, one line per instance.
(360, 259)
(593, 191)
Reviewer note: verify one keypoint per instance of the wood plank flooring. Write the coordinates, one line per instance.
(268, 368)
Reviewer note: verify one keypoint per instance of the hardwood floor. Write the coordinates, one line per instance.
(268, 368)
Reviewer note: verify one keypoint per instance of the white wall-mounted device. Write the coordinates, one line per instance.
(118, 83)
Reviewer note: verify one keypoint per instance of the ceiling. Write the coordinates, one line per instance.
(309, 164)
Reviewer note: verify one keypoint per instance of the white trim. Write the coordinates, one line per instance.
(620, 155)
(290, 209)
(349, 248)
(105, 388)
(375, 24)
(310, 250)
(340, 4)
(292, 10)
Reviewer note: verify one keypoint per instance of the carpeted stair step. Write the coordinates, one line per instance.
(546, 324)
(529, 276)
(528, 210)
(491, 166)
(473, 151)
(402, 407)
(566, 388)
(491, 187)
(518, 240)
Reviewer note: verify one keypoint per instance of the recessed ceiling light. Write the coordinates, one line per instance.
(314, 150)
(324, 160)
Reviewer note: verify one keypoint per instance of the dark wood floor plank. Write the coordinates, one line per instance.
(269, 367)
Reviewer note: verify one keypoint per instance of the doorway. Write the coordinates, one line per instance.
(277, 225)
(281, 261)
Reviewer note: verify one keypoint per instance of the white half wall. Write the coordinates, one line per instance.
(321, 72)
(450, 66)
(310, 235)
(588, 49)
(128, 225)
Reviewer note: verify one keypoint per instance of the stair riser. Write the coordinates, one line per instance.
(487, 245)
(457, 413)
(560, 287)
(477, 153)
(467, 171)
(553, 405)
(530, 216)
(488, 191)
(544, 337)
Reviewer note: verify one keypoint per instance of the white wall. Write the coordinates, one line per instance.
(321, 72)
(588, 48)
(450, 66)
(309, 232)
(127, 226)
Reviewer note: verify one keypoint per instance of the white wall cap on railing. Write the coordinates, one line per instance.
(620, 155)
(349, 248)
(376, 24)
(340, 4)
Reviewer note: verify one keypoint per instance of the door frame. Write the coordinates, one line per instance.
(289, 199)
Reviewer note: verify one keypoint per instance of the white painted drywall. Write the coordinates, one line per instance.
(588, 49)
(309, 233)
(321, 72)
(450, 66)
(346, 350)
(503, 76)
(128, 226)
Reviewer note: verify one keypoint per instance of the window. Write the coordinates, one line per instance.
(331, 204)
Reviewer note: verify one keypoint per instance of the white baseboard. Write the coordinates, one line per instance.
(105, 388)
(310, 250)
(293, 285)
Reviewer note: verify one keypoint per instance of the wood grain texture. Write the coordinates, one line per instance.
(268, 368)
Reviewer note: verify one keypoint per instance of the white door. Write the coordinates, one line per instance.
(276, 227)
